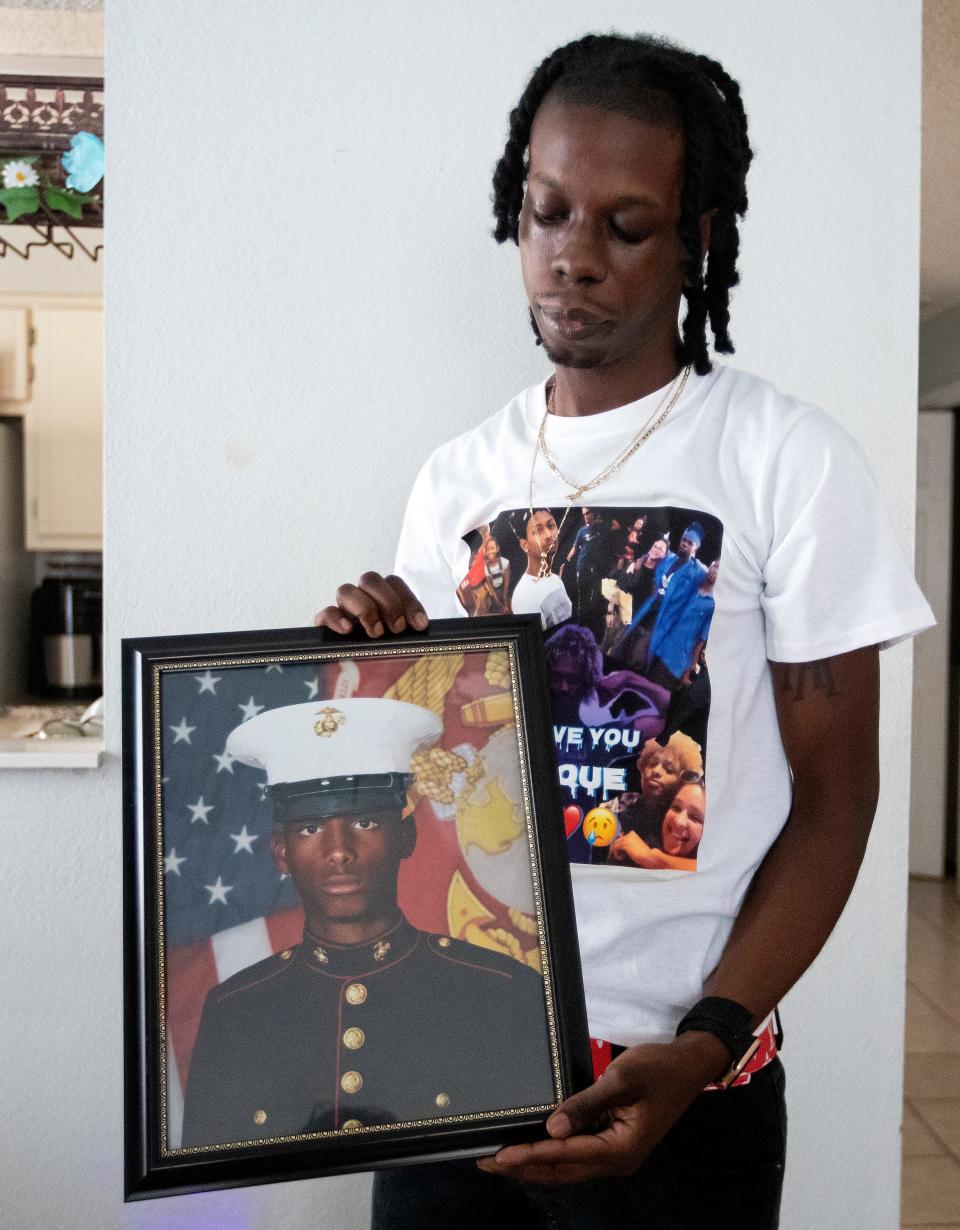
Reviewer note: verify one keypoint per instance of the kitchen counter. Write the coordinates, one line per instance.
(51, 753)
(19, 751)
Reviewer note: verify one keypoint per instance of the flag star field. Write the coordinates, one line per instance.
(218, 868)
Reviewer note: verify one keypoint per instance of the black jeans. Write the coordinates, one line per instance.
(720, 1165)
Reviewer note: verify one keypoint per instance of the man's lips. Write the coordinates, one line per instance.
(338, 885)
(573, 322)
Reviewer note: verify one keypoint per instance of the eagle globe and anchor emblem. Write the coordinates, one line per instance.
(330, 721)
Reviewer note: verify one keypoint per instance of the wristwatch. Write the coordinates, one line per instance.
(731, 1023)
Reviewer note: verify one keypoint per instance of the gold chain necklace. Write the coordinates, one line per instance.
(667, 402)
(545, 567)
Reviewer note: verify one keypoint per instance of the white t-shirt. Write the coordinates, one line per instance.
(810, 568)
(546, 595)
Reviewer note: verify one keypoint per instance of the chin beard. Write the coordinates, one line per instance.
(562, 358)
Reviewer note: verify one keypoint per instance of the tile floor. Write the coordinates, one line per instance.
(931, 1101)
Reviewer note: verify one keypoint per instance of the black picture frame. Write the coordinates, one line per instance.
(156, 1162)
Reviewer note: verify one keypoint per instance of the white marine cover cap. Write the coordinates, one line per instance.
(327, 756)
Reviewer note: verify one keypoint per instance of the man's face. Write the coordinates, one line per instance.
(589, 516)
(683, 823)
(345, 868)
(688, 547)
(566, 680)
(541, 536)
(601, 257)
(492, 550)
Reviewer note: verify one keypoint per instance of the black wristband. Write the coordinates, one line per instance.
(725, 1019)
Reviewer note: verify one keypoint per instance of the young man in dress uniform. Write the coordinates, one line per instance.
(368, 1021)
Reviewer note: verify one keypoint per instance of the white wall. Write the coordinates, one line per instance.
(302, 299)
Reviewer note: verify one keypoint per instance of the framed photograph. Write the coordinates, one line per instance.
(349, 931)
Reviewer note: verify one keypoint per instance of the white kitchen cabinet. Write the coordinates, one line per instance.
(14, 358)
(62, 426)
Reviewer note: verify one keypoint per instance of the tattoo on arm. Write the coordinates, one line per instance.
(799, 677)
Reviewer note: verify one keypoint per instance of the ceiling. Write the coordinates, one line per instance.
(940, 180)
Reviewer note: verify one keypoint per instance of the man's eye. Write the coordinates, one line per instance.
(546, 218)
(364, 824)
(308, 830)
(628, 235)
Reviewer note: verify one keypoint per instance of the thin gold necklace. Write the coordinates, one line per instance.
(545, 568)
(667, 402)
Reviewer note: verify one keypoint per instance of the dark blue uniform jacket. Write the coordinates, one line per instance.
(320, 1038)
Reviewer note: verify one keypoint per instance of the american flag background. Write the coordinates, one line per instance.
(226, 904)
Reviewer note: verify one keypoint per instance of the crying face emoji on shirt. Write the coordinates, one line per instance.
(599, 826)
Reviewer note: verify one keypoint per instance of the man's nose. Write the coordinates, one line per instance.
(577, 256)
(337, 841)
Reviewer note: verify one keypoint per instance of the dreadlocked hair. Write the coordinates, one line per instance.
(653, 80)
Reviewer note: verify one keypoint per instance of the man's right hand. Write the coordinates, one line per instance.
(376, 603)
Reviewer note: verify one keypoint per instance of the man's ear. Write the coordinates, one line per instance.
(278, 848)
(408, 836)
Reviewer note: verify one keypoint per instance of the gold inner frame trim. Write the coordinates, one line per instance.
(219, 663)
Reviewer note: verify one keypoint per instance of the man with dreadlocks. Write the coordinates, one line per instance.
(622, 182)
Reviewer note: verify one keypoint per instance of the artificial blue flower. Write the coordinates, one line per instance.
(83, 161)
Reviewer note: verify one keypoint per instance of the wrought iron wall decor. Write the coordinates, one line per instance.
(41, 120)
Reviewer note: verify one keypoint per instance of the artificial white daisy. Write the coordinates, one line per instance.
(19, 175)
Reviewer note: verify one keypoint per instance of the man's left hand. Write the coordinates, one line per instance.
(635, 1102)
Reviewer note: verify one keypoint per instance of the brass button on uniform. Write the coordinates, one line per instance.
(351, 1082)
(352, 1125)
(356, 993)
(286, 954)
(442, 1099)
(259, 1117)
(354, 1038)
(444, 941)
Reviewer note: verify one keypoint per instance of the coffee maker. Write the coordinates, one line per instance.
(66, 620)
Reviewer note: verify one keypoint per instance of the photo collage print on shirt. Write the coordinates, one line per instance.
(626, 600)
